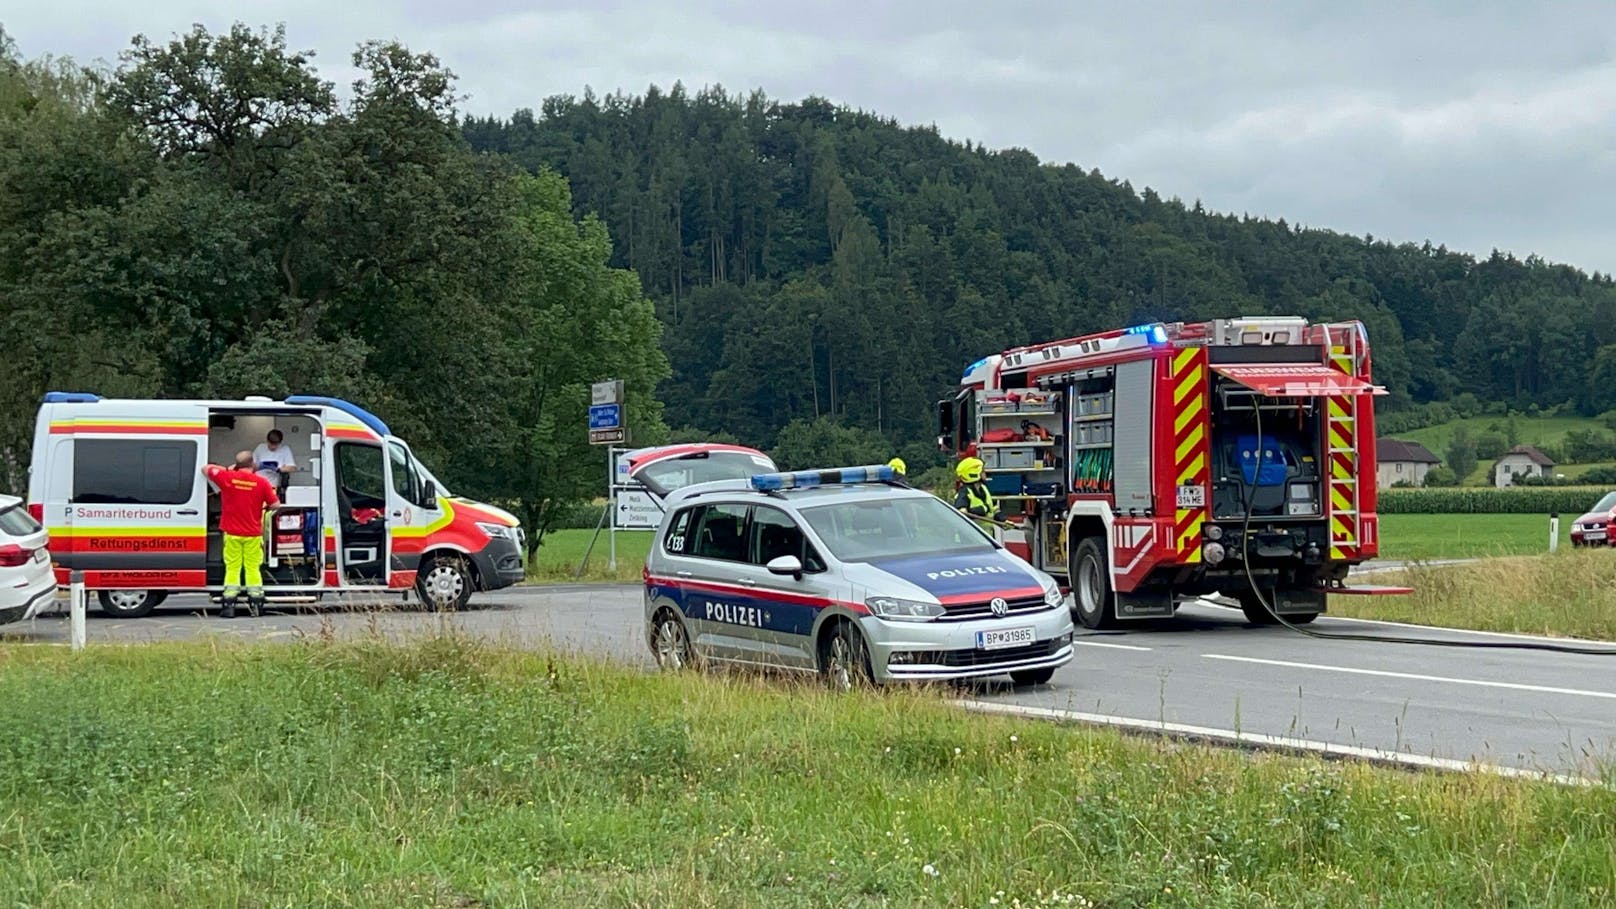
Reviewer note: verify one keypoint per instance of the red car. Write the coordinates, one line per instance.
(1593, 528)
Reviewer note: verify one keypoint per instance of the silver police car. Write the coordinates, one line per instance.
(847, 573)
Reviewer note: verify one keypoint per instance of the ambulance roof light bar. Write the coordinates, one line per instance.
(805, 479)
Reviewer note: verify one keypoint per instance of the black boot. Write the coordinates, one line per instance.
(229, 609)
(255, 605)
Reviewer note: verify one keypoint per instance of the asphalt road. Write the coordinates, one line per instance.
(1205, 669)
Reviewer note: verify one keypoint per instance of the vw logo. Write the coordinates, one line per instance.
(999, 606)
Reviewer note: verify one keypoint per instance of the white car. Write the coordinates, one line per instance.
(27, 579)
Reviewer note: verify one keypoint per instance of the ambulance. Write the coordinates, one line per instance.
(119, 486)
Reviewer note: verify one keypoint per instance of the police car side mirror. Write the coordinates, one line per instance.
(784, 565)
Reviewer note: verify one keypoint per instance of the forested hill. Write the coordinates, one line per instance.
(811, 261)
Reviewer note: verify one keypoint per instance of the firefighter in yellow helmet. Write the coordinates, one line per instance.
(899, 468)
(973, 497)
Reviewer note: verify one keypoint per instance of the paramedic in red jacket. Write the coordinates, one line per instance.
(243, 498)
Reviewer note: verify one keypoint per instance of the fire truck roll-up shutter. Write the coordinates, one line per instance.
(1298, 380)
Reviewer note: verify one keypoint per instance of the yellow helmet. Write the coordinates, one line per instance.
(898, 465)
(969, 470)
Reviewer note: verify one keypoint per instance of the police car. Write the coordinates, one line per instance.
(847, 573)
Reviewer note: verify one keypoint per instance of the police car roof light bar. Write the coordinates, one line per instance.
(804, 479)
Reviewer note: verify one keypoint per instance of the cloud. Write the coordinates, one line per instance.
(1470, 124)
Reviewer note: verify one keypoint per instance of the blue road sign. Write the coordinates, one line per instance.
(605, 416)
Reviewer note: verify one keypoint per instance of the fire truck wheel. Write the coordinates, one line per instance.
(1256, 612)
(1092, 603)
(444, 585)
(129, 604)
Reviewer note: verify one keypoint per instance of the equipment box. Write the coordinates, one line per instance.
(1016, 458)
(1005, 484)
(1098, 433)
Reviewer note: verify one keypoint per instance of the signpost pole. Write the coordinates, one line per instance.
(1554, 531)
(611, 503)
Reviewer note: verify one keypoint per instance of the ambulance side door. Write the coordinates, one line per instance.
(410, 512)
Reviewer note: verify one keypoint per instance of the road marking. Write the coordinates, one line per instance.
(1545, 689)
(1082, 643)
(1274, 742)
(1461, 633)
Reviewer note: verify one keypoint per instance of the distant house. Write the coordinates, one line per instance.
(1522, 460)
(1402, 462)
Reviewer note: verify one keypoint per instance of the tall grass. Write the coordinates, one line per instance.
(1570, 593)
(448, 773)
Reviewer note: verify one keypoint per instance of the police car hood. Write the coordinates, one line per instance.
(950, 578)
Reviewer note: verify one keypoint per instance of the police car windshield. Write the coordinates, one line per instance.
(893, 528)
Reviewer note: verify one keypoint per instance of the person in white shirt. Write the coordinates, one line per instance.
(275, 459)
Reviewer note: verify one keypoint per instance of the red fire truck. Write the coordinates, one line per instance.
(1167, 461)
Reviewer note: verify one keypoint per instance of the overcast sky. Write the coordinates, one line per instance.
(1474, 124)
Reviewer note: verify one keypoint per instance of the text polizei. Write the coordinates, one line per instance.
(966, 572)
(733, 614)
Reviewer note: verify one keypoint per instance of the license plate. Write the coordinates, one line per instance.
(1000, 638)
(1593, 534)
(41, 555)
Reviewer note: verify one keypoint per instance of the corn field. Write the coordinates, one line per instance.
(1569, 501)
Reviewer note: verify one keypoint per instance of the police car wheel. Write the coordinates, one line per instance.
(129, 604)
(844, 659)
(1091, 586)
(444, 584)
(670, 644)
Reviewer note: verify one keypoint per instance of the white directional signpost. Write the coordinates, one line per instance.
(606, 423)
(628, 505)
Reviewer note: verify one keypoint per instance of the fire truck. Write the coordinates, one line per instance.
(1164, 462)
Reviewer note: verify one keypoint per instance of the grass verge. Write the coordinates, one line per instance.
(1466, 536)
(558, 557)
(1567, 594)
(446, 773)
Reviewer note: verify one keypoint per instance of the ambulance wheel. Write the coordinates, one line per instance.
(129, 604)
(843, 658)
(444, 584)
(1092, 603)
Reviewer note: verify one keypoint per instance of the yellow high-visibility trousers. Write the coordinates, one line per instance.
(243, 554)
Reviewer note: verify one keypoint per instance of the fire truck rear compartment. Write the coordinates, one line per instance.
(1273, 467)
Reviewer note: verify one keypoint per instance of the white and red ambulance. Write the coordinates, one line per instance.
(119, 486)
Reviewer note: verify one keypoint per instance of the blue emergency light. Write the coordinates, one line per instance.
(804, 479)
(1154, 332)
